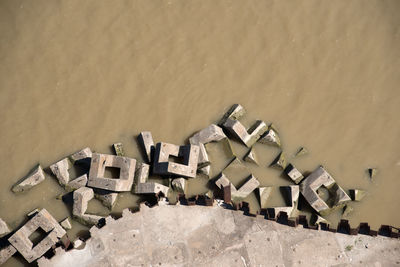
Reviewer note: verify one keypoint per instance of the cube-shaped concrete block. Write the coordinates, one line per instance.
(293, 173)
(97, 169)
(188, 154)
(20, 239)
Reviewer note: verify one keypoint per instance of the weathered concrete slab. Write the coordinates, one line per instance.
(4, 229)
(6, 253)
(119, 149)
(213, 236)
(97, 169)
(146, 142)
(189, 155)
(293, 173)
(318, 178)
(151, 188)
(35, 177)
(20, 239)
(248, 136)
(82, 196)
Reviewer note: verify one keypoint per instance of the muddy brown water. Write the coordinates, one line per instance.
(76, 74)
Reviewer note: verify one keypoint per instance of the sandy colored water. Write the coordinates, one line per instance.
(91, 73)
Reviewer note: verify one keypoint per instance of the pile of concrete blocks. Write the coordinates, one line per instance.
(188, 153)
(20, 241)
(231, 123)
(321, 178)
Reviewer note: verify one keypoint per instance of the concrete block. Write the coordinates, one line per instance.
(300, 152)
(271, 137)
(66, 224)
(20, 239)
(142, 173)
(249, 186)
(372, 172)
(235, 113)
(205, 170)
(60, 170)
(248, 136)
(293, 173)
(318, 178)
(291, 195)
(146, 141)
(251, 156)
(347, 210)
(4, 229)
(179, 185)
(122, 183)
(223, 181)
(107, 198)
(6, 253)
(264, 193)
(82, 196)
(80, 155)
(188, 153)
(77, 183)
(151, 188)
(119, 149)
(279, 162)
(357, 194)
(35, 177)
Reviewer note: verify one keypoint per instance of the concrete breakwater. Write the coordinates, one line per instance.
(166, 173)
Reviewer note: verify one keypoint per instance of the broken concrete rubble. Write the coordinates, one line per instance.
(251, 156)
(357, 194)
(279, 162)
(35, 177)
(248, 136)
(82, 196)
(179, 185)
(119, 149)
(321, 178)
(97, 170)
(146, 141)
(293, 173)
(271, 137)
(6, 253)
(81, 155)
(43, 220)
(188, 153)
(4, 229)
(66, 224)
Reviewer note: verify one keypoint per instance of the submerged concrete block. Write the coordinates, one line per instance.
(151, 188)
(179, 185)
(82, 196)
(188, 153)
(372, 172)
(77, 183)
(66, 224)
(107, 198)
(300, 152)
(122, 183)
(4, 229)
(347, 210)
(20, 239)
(248, 136)
(119, 149)
(251, 156)
(293, 173)
(35, 177)
(6, 253)
(279, 162)
(321, 178)
(271, 137)
(235, 112)
(60, 170)
(146, 141)
(142, 173)
(357, 194)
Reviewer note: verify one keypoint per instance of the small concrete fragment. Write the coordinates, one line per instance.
(279, 162)
(248, 136)
(293, 173)
(142, 173)
(82, 196)
(66, 224)
(235, 112)
(347, 210)
(20, 239)
(146, 141)
(318, 178)
(372, 172)
(251, 156)
(357, 194)
(300, 152)
(271, 137)
(119, 149)
(188, 153)
(6, 253)
(4, 229)
(107, 198)
(122, 183)
(35, 177)
(179, 185)
(264, 195)
(151, 188)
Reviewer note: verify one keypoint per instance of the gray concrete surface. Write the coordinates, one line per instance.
(212, 236)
